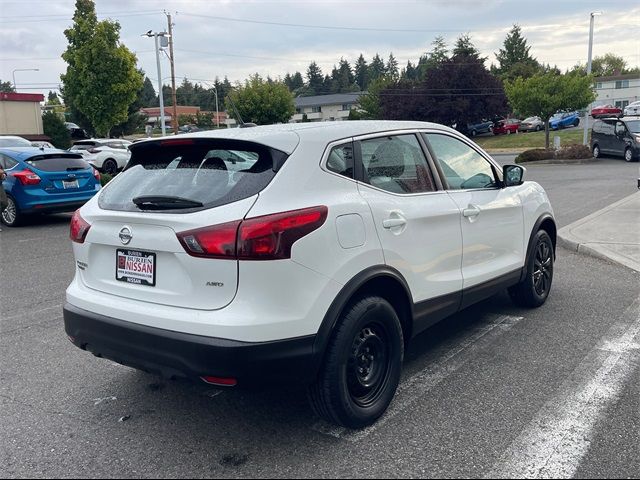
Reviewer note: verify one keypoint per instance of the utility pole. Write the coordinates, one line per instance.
(174, 116)
(586, 116)
(155, 35)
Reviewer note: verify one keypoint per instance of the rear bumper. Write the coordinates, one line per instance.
(53, 207)
(176, 354)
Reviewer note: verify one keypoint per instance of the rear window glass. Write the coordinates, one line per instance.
(14, 142)
(58, 163)
(209, 172)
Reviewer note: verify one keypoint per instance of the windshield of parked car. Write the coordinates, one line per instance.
(206, 173)
(633, 126)
(14, 142)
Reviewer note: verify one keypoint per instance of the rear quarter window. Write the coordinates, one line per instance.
(212, 172)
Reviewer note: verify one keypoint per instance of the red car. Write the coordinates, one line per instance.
(605, 111)
(508, 126)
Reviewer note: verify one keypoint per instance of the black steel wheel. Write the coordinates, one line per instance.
(362, 367)
(535, 287)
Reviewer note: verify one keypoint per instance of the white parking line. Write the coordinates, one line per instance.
(415, 387)
(556, 441)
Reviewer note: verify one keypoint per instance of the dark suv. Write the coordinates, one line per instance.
(617, 136)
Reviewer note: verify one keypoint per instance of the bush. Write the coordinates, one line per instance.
(574, 152)
(570, 152)
(54, 128)
(535, 155)
(105, 178)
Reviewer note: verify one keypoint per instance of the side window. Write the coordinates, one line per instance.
(620, 129)
(7, 163)
(463, 167)
(341, 160)
(608, 128)
(396, 164)
(597, 126)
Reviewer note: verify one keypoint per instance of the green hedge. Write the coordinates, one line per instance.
(570, 152)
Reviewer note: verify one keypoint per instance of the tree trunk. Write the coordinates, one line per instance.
(546, 133)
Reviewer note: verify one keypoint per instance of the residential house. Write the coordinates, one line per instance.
(323, 108)
(617, 90)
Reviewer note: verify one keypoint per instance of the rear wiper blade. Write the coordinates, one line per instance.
(159, 202)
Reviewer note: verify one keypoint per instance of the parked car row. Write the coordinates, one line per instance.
(108, 155)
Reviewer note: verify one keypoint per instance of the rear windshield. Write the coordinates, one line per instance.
(58, 163)
(206, 171)
(14, 142)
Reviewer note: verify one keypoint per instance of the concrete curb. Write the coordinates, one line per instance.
(603, 250)
(560, 161)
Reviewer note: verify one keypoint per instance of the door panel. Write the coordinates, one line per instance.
(492, 221)
(418, 227)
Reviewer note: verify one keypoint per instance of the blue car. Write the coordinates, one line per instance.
(45, 181)
(564, 120)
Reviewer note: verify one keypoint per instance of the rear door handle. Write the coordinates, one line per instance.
(471, 211)
(394, 222)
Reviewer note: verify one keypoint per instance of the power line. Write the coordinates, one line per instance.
(322, 27)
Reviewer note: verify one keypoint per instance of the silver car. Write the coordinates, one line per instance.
(632, 109)
(531, 124)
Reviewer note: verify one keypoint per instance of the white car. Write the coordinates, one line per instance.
(109, 155)
(314, 264)
(632, 109)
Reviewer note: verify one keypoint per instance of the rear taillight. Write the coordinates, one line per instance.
(78, 228)
(96, 174)
(27, 177)
(272, 236)
(261, 238)
(218, 241)
(94, 150)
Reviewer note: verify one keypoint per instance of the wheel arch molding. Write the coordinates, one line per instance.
(379, 280)
(547, 223)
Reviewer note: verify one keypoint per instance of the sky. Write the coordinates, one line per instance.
(237, 38)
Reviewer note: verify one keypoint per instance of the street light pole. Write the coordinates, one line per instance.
(13, 74)
(160, 94)
(586, 117)
(174, 116)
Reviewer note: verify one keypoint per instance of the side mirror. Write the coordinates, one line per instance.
(513, 175)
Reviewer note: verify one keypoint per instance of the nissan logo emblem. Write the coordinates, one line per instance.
(125, 235)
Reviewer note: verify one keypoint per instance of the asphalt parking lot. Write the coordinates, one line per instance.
(494, 391)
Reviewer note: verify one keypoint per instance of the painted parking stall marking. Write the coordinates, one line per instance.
(559, 436)
(456, 354)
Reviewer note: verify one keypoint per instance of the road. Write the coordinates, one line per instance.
(494, 391)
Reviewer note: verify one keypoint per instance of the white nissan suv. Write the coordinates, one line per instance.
(301, 253)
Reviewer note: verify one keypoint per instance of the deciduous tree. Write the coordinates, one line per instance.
(263, 103)
(545, 94)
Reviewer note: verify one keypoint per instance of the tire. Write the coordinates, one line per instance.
(110, 166)
(628, 155)
(596, 151)
(576, 122)
(538, 128)
(11, 215)
(508, 132)
(362, 366)
(473, 133)
(534, 290)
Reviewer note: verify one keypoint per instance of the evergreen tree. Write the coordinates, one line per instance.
(410, 72)
(464, 47)
(392, 68)
(362, 73)
(377, 68)
(514, 59)
(438, 55)
(315, 80)
(148, 98)
(52, 98)
(297, 81)
(345, 78)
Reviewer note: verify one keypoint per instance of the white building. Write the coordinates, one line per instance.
(618, 90)
(325, 107)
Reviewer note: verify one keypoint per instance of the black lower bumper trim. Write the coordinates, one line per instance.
(175, 354)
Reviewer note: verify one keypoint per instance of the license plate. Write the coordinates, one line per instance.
(133, 266)
(69, 184)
